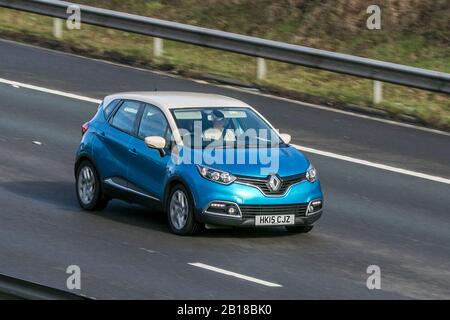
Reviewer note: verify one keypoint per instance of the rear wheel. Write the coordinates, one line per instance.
(299, 229)
(180, 212)
(89, 193)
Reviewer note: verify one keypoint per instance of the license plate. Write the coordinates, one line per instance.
(274, 220)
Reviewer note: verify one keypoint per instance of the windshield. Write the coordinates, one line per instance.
(224, 127)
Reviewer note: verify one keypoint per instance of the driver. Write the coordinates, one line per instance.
(218, 130)
(218, 120)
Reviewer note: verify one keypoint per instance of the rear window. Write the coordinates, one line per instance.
(110, 107)
(126, 115)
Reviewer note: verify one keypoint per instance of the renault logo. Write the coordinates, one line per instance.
(274, 183)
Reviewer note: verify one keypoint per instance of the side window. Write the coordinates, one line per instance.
(153, 123)
(110, 107)
(125, 116)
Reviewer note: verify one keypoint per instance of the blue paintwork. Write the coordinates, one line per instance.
(117, 154)
(205, 191)
(291, 161)
(147, 169)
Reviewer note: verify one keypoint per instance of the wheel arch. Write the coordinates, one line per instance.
(171, 183)
(79, 160)
(85, 157)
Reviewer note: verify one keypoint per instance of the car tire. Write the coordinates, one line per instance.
(299, 229)
(180, 212)
(88, 188)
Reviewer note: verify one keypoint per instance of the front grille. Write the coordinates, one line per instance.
(250, 211)
(262, 184)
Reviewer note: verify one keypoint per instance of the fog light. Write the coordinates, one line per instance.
(314, 206)
(223, 208)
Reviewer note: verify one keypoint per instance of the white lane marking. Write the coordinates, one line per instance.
(358, 115)
(234, 274)
(373, 164)
(147, 250)
(306, 149)
(50, 91)
(258, 93)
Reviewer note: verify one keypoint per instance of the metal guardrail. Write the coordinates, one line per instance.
(13, 289)
(252, 46)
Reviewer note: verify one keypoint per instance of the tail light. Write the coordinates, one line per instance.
(84, 128)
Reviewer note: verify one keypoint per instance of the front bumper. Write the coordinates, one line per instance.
(231, 214)
(218, 220)
(206, 192)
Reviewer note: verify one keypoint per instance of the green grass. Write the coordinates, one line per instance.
(412, 49)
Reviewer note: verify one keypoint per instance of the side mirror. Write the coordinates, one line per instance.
(155, 142)
(286, 138)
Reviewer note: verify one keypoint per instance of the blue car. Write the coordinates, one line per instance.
(204, 160)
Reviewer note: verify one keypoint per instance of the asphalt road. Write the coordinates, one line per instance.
(372, 217)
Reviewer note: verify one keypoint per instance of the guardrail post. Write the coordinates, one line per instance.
(377, 92)
(157, 47)
(261, 68)
(57, 28)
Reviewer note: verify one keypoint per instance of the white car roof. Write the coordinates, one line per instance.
(177, 100)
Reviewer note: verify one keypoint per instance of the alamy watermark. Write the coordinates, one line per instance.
(374, 280)
(228, 146)
(74, 20)
(374, 20)
(74, 280)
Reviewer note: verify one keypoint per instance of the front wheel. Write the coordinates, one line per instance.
(299, 229)
(89, 192)
(180, 212)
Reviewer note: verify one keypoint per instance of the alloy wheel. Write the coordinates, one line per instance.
(86, 185)
(178, 209)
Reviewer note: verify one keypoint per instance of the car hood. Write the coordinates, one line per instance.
(285, 161)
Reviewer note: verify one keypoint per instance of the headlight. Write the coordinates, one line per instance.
(311, 174)
(216, 175)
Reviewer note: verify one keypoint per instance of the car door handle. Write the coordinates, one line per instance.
(132, 151)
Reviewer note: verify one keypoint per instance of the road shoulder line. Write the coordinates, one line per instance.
(19, 85)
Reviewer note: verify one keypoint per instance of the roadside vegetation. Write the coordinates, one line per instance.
(414, 32)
